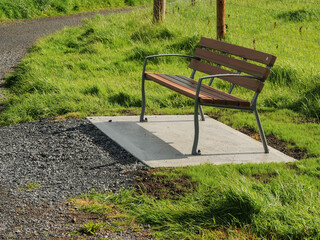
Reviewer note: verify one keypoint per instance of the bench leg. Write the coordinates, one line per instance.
(201, 113)
(196, 130)
(261, 132)
(200, 108)
(143, 101)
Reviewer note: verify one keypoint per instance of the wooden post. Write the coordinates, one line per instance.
(159, 10)
(221, 24)
(193, 2)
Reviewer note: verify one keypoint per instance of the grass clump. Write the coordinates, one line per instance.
(300, 15)
(265, 201)
(30, 186)
(91, 228)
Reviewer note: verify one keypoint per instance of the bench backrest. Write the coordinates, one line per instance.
(227, 55)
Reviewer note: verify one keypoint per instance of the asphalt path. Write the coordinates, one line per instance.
(16, 37)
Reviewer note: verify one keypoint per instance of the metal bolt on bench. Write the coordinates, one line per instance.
(209, 59)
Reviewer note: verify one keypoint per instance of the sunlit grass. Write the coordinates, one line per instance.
(27, 9)
(250, 201)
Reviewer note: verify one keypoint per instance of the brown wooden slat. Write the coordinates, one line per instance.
(223, 97)
(217, 95)
(187, 87)
(176, 87)
(248, 83)
(210, 91)
(233, 63)
(247, 53)
(192, 84)
(228, 98)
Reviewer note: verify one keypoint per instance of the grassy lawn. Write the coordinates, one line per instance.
(27, 9)
(95, 69)
(251, 201)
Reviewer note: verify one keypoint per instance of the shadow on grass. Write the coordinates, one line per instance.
(235, 209)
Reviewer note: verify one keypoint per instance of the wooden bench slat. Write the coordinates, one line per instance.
(209, 91)
(233, 63)
(174, 86)
(249, 83)
(218, 95)
(188, 87)
(247, 53)
(213, 92)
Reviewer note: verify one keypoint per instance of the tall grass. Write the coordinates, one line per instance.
(26, 9)
(265, 201)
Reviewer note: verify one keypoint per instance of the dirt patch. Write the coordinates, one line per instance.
(264, 177)
(273, 141)
(292, 167)
(293, 151)
(129, 112)
(161, 186)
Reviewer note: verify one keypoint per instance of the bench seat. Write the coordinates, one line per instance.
(188, 87)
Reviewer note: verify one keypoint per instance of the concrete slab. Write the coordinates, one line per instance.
(166, 141)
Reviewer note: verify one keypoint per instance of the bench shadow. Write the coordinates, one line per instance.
(118, 152)
(140, 142)
(110, 147)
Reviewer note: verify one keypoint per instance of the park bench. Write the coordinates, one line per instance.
(237, 65)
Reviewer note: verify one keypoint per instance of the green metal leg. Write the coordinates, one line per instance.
(262, 136)
(201, 113)
(196, 130)
(143, 101)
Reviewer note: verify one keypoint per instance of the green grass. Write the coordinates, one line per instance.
(256, 201)
(30, 186)
(91, 228)
(284, 124)
(27, 9)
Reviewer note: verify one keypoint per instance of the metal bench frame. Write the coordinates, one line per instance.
(198, 104)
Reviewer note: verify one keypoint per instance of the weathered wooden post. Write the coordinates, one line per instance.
(221, 24)
(193, 2)
(159, 10)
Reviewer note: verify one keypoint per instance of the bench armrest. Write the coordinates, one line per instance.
(169, 55)
(164, 55)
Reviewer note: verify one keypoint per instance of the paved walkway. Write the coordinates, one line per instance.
(166, 141)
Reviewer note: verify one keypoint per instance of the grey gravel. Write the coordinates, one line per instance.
(61, 159)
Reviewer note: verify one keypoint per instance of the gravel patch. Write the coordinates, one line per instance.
(44, 163)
